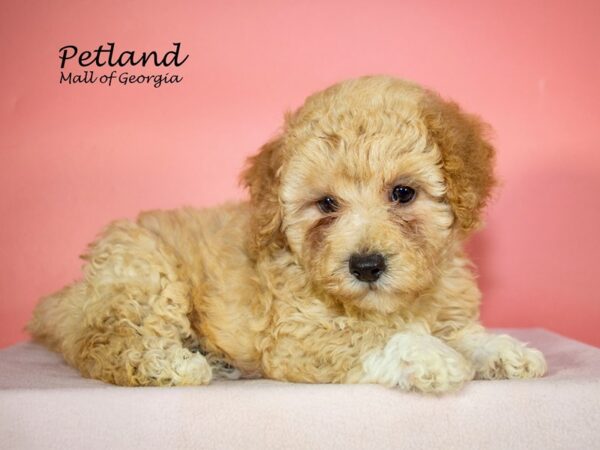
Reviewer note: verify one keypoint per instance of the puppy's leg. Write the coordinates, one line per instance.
(411, 359)
(415, 360)
(138, 315)
(498, 356)
(131, 313)
(138, 341)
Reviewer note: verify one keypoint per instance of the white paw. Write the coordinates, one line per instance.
(502, 356)
(417, 361)
(190, 369)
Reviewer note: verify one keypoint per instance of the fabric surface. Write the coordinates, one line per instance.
(46, 404)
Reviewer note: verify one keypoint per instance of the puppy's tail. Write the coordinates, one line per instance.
(57, 319)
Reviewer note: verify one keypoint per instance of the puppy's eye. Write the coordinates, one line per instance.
(403, 194)
(327, 205)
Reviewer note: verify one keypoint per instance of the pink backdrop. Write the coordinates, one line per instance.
(75, 157)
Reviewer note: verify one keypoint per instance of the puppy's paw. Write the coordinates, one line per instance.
(416, 361)
(501, 357)
(189, 369)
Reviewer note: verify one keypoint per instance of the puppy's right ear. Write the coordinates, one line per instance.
(262, 178)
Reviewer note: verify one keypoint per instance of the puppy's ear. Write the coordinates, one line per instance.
(262, 178)
(467, 158)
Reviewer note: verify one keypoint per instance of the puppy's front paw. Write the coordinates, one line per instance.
(502, 357)
(415, 361)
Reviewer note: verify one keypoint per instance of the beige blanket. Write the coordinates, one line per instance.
(46, 404)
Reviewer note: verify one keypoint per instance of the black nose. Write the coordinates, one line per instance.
(367, 267)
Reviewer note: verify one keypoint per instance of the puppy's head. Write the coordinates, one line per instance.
(369, 184)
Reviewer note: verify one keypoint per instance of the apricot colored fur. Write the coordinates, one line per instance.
(262, 288)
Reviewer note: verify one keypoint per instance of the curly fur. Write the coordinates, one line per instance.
(262, 288)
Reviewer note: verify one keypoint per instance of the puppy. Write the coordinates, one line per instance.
(345, 266)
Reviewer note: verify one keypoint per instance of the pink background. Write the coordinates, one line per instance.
(75, 157)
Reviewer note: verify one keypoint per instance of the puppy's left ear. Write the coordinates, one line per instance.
(467, 158)
(262, 177)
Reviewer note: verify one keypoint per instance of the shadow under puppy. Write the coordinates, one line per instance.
(346, 265)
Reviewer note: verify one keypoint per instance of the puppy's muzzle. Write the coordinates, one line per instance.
(367, 267)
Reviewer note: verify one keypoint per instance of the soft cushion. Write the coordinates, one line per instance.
(46, 404)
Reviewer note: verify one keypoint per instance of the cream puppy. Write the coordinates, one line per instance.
(345, 266)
